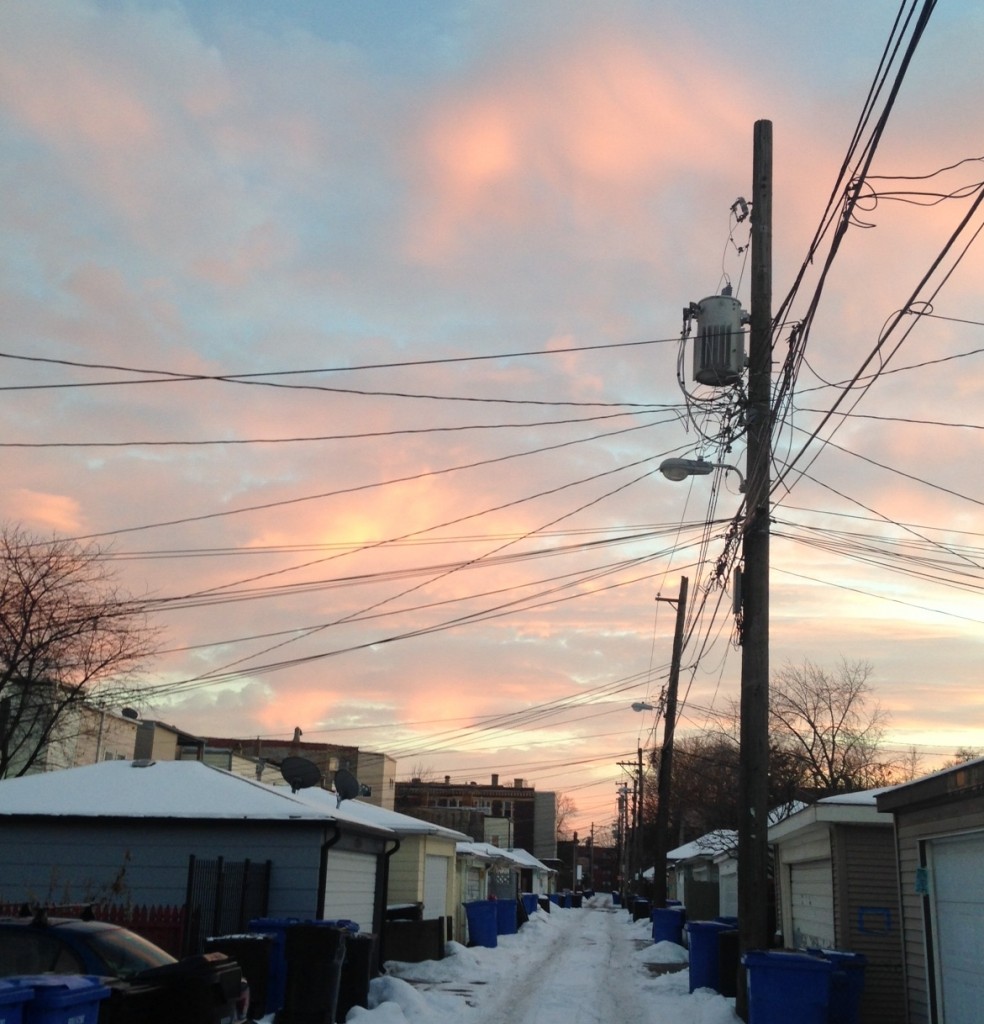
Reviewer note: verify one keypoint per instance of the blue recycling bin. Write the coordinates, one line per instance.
(12, 999)
(505, 917)
(846, 984)
(786, 986)
(483, 923)
(668, 924)
(530, 902)
(557, 898)
(616, 899)
(61, 998)
(705, 969)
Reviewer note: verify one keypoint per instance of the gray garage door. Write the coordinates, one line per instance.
(957, 900)
(812, 903)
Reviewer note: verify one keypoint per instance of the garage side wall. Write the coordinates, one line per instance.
(912, 827)
(57, 862)
(866, 897)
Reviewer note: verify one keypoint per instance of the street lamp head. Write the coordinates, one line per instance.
(680, 469)
(641, 705)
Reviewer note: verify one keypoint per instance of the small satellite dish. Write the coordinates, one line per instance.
(131, 713)
(300, 773)
(346, 785)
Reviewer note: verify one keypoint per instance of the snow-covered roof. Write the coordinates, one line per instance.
(358, 810)
(516, 857)
(843, 808)
(160, 789)
(708, 845)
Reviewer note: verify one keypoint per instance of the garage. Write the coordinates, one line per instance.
(957, 902)
(939, 838)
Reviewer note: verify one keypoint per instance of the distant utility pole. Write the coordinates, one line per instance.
(665, 775)
(753, 774)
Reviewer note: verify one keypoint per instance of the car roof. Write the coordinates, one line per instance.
(72, 923)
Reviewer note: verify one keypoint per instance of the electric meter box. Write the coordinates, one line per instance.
(719, 347)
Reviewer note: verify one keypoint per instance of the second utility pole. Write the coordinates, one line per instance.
(665, 774)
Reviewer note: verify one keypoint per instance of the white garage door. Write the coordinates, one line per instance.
(957, 897)
(812, 904)
(350, 887)
(435, 886)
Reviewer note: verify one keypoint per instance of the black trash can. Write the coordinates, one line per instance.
(358, 969)
(196, 990)
(729, 960)
(253, 953)
(314, 965)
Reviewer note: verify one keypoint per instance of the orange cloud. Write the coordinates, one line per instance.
(41, 512)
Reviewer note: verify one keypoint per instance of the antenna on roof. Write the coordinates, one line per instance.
(300, 773)
(346, 785)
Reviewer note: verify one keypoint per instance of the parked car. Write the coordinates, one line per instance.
(40, 944)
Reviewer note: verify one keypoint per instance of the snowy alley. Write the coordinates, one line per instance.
(571, 966)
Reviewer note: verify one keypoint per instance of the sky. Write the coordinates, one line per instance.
(352, 333)
(595, 963)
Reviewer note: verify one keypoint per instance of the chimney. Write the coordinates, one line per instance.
(495, 779)
(447, 780)
(518, 783)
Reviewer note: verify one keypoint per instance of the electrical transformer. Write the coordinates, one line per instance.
(719, 347)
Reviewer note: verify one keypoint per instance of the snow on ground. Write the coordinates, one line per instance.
(592, 965)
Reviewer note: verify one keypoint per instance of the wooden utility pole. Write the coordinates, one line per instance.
(753, 775)
(665, 775)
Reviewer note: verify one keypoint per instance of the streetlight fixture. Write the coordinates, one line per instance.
(641, 705)
(680, 469)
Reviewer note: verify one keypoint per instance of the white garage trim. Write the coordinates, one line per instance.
(350, 887)
(811, 887)
(957, 908)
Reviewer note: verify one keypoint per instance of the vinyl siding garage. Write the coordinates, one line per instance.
(835, 870)
(939, 838)
(119, 833)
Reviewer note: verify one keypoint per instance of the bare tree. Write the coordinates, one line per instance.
(565, 807)
(827, 728)
(66, 630)
(961, 756)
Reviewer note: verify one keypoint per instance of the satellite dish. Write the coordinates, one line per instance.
(300, 773)
(346, 785)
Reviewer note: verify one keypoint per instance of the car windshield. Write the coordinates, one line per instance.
(125, 953)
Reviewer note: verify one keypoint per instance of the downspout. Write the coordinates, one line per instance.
(380, 924)
(386, 882)
(319, 911)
